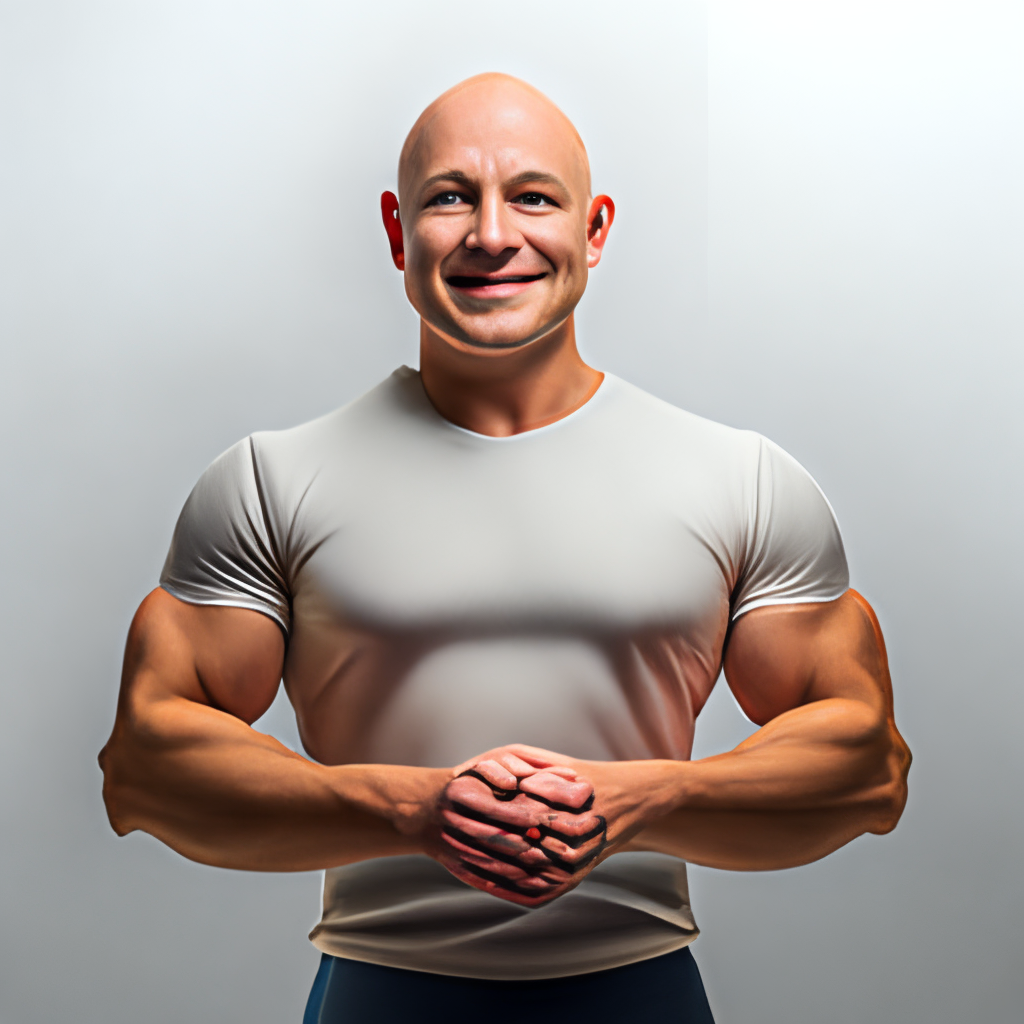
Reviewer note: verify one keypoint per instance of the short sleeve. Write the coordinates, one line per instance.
(795, 551)
(222, 552)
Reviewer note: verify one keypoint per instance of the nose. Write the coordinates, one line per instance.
(493, 229)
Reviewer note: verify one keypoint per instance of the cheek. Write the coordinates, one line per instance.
(427, 246)
(424, 255)
(421, 253)
(568, 255)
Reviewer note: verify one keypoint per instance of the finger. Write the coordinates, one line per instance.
(516, 765)
(529, 881)
(573, 859)
(474, 790)
(524, 764)
(557, 791)
(496, 840)
(494, 886)
(531, 885)
(462, 841)
(572, 829)
(495, 774)
(522, 813)
(537, 756)
(464, 834)
(475, 799)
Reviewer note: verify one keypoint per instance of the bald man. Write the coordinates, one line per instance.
(499, 591)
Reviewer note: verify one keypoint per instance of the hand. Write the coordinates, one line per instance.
(519, 829)
(525, 825)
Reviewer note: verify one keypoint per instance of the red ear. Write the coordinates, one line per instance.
(599, 220)
(393, 226)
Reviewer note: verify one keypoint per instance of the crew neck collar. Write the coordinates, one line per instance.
(595, 399)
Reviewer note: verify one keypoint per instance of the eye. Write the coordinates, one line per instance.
(446, 199)
(533, 199)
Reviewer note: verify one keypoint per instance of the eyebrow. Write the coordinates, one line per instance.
(523, 178)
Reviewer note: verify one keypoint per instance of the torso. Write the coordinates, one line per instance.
(445, 592)
(562, 588)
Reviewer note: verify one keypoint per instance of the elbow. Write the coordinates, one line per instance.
(130, 765)
(878, 785)
(891, 793)
(116, 790)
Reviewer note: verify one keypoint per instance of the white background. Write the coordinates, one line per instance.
(818, 236)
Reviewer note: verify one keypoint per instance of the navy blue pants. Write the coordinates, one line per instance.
(663, 990)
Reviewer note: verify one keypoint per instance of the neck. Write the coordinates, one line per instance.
(507, 391)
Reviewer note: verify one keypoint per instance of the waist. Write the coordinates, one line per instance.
(408, 912)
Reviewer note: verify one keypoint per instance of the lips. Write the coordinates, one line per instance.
(460, 281)
(491, 288)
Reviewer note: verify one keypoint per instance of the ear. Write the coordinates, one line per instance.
(393, 226)
(599, 220)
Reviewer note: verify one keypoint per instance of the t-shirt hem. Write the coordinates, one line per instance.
(767, 602)
(226, 602)
(405, 963)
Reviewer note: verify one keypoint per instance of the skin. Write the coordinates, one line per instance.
(827, 765)
(496, 231)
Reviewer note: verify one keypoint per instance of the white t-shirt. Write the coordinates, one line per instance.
(444, 592)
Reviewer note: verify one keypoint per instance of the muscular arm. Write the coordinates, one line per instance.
(184, 764)
(827, 765)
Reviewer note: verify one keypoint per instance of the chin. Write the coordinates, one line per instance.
(509, 332)
(495, 337)
(500, 343)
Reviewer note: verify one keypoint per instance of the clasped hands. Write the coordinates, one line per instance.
(524, 825)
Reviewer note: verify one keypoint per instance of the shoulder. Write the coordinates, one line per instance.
(674, 433)
(381, 402)
(390, 401)
(747, 491)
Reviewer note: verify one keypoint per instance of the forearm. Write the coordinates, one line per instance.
(828, 766)
(221, 793)
(807, 783)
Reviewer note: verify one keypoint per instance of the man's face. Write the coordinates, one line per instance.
(494, 201)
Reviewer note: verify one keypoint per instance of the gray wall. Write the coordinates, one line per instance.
(818, 234)
(867, 312)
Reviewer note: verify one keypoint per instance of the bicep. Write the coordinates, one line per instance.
(223, 657)
(781, 657)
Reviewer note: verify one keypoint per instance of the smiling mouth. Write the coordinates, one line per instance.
(458, 281)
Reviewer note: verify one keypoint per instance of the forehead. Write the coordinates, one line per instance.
(495, 134)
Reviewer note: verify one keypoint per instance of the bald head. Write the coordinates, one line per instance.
(494, 226)
(482, 109)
